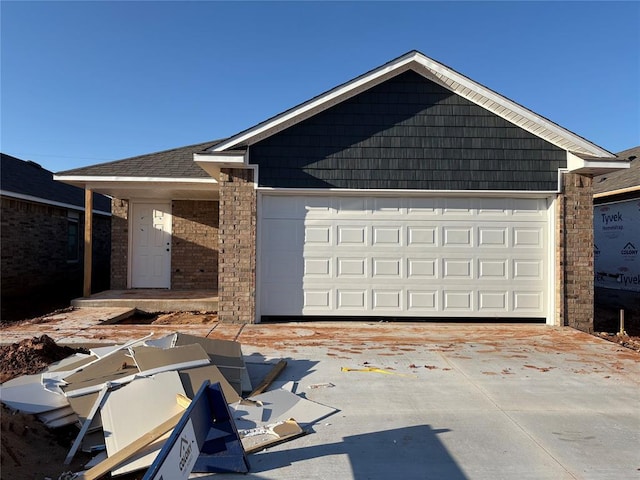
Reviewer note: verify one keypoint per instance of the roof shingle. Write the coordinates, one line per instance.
(28, 178)
(174, 163)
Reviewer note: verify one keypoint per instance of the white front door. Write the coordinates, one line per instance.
(151, 245)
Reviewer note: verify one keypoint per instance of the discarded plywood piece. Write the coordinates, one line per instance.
(151, 360)
(226, 355)
(277, 406)
(27, 395)
(82, 405)
(204, 440)
(258, 439)
(85, 426)
(122, 455)
(268, 380)
(114, 368)
(193, 378)
(140, 406)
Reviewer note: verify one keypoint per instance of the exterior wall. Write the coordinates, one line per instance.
(119, 243)
(34, 254)
(575, 253)
(194, 245)
(408, 133)
(617, 240)
(237, 247)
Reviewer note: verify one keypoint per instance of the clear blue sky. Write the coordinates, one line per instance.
(88, 82)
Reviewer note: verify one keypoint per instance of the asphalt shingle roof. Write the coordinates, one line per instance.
(174, 163)
(620, 179)
(28, 178)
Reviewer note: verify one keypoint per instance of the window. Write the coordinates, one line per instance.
(73, 236)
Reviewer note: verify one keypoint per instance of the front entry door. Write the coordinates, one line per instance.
(151, 245)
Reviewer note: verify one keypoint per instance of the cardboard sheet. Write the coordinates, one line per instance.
(27, 395)
(226, 355)
(137, 408)
(118, 366)
(277, 406)
(152, 360)
(193, 378)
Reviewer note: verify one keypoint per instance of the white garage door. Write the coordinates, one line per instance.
(403, 257)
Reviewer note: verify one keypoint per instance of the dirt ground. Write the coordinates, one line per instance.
(31, 451)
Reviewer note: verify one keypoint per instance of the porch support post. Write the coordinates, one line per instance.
(88, 240)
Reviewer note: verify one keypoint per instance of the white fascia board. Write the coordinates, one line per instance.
(444, 76)
(408, 193)
(30, 198)
(87, 180)
(222, 159)
(576, 164)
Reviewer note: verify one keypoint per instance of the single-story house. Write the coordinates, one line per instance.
(43, 240)
(616, 224)
(410, 191)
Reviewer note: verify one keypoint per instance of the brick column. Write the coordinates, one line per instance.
(576, 274)
(119, 243)
(237, 247)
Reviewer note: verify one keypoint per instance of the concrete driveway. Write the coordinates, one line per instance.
(452, 401)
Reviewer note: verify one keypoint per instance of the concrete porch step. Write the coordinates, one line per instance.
(153, 300)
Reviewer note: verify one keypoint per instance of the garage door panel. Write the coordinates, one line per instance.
(457, 268)
(403, 257)
(387, 268)
(387, 236)
(352, 299)
(421, 269)
(351, 267)
(422, 301)
(457, 236)
(421, 236)
(457, 300)
(385, 299)
(318, 235)
(493, 237)
(352, 235)
(317, 267)
(493, 300)
(492, 269)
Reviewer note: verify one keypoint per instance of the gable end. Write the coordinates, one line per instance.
(407, 133)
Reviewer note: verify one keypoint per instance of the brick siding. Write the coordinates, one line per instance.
(237, 247)
(119, 243)
(574, 249)
(194, 245)
(34, 251)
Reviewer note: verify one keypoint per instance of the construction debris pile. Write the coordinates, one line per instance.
(130, 401)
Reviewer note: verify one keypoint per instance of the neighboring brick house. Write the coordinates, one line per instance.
(408, 192)
(617, 226)
(43, 241)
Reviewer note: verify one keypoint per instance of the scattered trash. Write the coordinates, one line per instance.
(127, 399)
(322, 385)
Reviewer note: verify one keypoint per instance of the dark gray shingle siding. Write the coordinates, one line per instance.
(408, 133)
